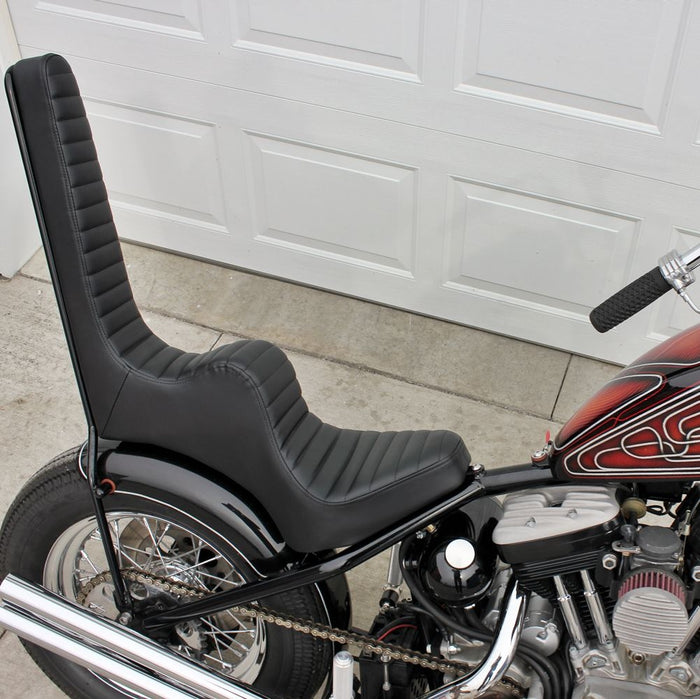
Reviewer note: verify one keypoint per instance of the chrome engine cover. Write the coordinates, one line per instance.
(549, 513)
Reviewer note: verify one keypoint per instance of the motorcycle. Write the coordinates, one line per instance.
(196, 544)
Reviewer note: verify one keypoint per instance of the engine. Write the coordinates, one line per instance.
(613, 609)
(622, 592)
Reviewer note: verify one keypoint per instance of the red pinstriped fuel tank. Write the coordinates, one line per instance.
(644, 423)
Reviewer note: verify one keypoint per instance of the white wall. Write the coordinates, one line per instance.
(19, 236)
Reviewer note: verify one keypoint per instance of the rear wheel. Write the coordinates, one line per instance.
(50, 537)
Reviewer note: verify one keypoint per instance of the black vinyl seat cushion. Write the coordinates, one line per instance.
(240, 410)
(237, 409)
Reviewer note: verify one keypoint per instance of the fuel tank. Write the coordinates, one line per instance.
(643, 424)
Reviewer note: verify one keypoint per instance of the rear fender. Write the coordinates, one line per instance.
(202, 493)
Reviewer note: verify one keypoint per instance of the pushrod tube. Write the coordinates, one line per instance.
(568, 609)
(501, 480)
(595, 607)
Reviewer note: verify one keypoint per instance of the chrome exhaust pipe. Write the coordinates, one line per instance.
(142, 665)
(107, 648)
(505, 643)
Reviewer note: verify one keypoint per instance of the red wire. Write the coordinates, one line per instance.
(396, 628)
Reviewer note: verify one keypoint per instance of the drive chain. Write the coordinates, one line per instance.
(386, 651)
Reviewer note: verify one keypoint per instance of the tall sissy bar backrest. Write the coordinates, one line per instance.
(97, 308)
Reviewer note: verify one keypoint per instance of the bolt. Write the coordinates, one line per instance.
(679, 674)
(452, 649)
(125, 619)
(695, 574)
(594, 661)
(609, 561)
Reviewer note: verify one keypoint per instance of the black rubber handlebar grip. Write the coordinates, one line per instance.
(630, 300)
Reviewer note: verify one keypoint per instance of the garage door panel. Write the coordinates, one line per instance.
(519, 245)
(162, 164)
(613, 60)
(181, 18)
(357, 209)
(380, 37)
(150, 227)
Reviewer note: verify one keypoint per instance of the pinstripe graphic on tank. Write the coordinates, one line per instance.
(644, 423)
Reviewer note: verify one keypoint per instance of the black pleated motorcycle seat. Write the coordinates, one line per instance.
(237, 409)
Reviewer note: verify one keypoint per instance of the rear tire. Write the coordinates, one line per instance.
(48, 537)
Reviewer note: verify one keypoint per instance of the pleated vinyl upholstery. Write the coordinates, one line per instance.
(237, 409)
(105, 272)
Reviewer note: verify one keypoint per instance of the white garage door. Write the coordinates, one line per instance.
(501, 163)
